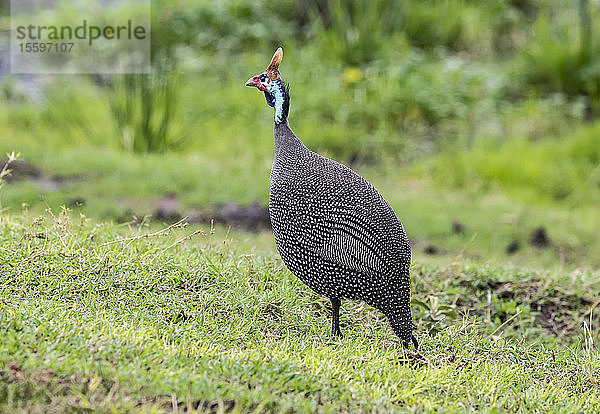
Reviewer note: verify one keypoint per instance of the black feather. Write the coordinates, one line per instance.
(286, 100)
(270, 99)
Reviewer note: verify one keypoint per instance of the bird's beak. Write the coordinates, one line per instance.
(250, 82)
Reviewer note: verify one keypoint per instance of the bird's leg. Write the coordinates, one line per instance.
(335, 325)
(414, 341)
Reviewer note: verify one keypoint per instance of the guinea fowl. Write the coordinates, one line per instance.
(332, 228)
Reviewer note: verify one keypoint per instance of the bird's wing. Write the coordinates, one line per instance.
(352, 237)
(343, 219)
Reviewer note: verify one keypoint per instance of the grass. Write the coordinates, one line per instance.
(100, 317)
(544, 174)
(566, 168)
(473, 139)
(116, 186)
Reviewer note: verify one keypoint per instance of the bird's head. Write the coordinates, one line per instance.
(270, 82)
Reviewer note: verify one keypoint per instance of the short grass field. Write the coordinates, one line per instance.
(138, 270)
(115, 318)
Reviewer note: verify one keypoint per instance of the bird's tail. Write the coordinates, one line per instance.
(401, 322)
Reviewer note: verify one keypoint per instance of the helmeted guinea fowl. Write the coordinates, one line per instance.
(332, 228)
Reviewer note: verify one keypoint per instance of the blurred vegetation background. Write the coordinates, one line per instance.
(478, 121)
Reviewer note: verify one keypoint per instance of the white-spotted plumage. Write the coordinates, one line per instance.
(332, 228)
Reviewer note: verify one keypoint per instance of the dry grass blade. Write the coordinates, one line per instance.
(189, 236)
(163, 232)
(587, 334)
(506, 322)
(179, 241)
(5, 170)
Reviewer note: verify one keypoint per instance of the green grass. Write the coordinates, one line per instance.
(116, 186)
(92, 320)
(565, 168)
(460, 121)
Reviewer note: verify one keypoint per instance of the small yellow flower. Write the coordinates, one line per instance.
(351, 75)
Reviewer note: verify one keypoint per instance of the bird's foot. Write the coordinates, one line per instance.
(405, 343)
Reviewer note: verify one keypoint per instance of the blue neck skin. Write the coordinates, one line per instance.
(279, 102)
(279, 118)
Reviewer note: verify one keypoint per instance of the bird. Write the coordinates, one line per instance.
(332, 228)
